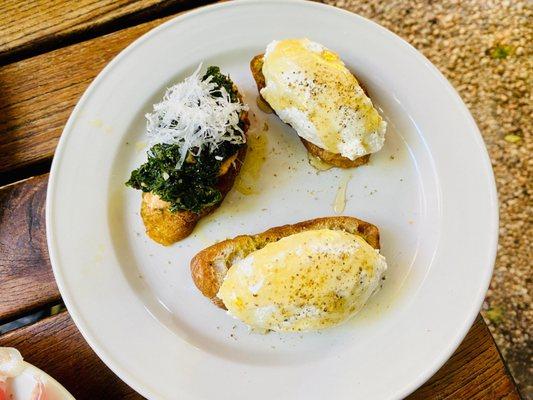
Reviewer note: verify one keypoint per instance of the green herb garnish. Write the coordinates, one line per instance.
(190, 186)
(221, 80)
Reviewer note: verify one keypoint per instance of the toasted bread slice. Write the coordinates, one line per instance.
(209, 266)
(167, 227)
(256, 66)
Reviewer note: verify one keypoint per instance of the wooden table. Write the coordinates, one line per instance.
(49, 53)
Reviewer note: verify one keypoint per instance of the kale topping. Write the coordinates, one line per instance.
(220, 80)
(193, 186)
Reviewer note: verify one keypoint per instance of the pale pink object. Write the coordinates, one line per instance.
(39, 392)
(11, 366)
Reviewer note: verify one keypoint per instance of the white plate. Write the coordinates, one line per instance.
(22, 386)
(430, 190)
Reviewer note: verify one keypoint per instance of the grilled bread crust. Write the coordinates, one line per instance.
(209, 266)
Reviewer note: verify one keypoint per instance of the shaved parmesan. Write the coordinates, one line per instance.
(196, 115)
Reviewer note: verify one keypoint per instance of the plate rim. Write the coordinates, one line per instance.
(95, 344)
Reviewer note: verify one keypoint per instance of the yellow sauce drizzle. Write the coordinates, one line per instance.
(247, 179)
(340, 198)
(317, 163)
(263, 105)
(140, 146)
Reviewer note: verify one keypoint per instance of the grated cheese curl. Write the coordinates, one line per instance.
(195, 114)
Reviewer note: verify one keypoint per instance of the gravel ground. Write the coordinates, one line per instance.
(484, 48)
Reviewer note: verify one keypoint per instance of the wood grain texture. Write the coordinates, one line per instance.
(39, 93)
(31, 26)
(56, 346)
(475, 372)
(26, 279)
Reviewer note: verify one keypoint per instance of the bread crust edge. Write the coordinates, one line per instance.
(210, 265)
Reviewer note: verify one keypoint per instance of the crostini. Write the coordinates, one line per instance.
(307, 276)
(309, 87)
(198, 135)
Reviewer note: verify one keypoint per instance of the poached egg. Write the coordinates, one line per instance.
(310, 88)
(306, 281)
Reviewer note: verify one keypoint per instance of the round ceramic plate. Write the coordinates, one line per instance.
(430, 190)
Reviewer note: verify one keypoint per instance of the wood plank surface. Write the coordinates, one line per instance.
(475, 371)
(38, 94)
(26, 279)
(31, 26)
(56, 346)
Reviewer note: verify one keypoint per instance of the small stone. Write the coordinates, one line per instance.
(512, 138)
